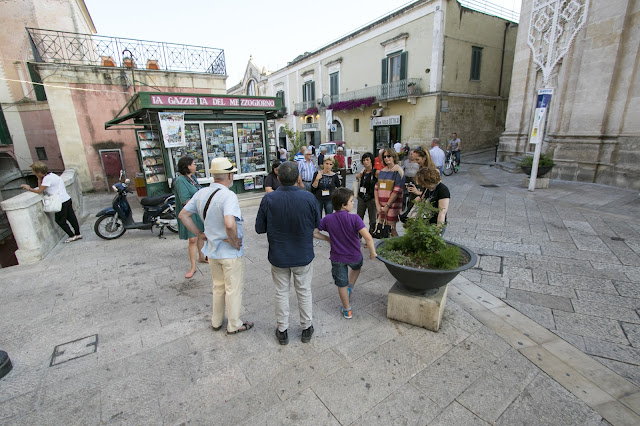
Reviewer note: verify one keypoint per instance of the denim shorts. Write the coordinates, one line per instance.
(341, 273)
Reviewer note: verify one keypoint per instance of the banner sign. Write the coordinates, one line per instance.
(211, 101)
(329, 115)
(542, 104)
(172, 125)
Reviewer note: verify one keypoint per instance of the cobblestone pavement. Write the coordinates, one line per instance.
(557, 279)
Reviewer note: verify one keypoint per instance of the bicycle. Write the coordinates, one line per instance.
(450, 164)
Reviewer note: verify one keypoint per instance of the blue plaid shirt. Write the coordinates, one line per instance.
(306, 169)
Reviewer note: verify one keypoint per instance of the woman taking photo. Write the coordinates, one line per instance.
(52, 184)
(435, 192)
(323, 184)
(271, 182)
(367, 183)
(184, 187)
(388, 189)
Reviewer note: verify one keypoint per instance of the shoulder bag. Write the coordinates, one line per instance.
(382, 228)
(51, 203)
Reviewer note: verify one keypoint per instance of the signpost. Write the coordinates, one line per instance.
(537, 131)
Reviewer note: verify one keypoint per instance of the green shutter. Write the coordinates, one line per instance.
(403, 66)
(385, 71)
(304, 93)
(5, 135)
(35, 78)
(313, 91)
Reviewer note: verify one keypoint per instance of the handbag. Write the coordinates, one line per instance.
(382, 229)
(51, 203)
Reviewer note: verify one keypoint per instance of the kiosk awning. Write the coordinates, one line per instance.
(144, 102)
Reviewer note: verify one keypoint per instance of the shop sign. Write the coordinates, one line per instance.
(211, 101)
(310, 126)
(390, 120)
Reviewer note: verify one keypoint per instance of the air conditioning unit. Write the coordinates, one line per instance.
(377, 112)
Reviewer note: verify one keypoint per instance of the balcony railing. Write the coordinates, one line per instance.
(302, 107)
(62, 47)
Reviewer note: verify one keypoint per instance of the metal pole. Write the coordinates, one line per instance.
(133, 79)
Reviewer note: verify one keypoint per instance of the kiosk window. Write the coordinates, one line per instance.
(251, 144)
(220, 143)
(193, 149)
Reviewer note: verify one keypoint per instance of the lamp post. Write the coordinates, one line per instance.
(133, 80)
(553, 26)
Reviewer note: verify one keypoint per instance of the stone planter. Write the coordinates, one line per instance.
(542, 170)
(419, 280)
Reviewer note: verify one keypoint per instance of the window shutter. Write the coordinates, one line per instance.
(385, 71)
(37, 88)
(304, 93)
(5, 135)
(403, 65)
(313, 91)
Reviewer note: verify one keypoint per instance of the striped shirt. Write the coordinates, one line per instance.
(306, 169)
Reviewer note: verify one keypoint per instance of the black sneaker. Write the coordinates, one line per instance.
(283, 337)
(306, 334)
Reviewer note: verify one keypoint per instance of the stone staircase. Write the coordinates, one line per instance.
(510, 166)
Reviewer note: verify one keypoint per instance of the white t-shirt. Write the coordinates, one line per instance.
(438, 156)
(398, 147)
(55, 185)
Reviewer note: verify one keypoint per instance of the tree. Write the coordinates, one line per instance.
(296, 138)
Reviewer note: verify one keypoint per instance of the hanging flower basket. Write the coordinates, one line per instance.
(312, 111)
(352, 104)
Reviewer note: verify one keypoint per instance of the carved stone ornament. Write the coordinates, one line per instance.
(553, 27)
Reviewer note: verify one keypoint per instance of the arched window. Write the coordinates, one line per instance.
(251, 88)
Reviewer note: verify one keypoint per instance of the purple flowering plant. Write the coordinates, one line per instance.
(352, 104)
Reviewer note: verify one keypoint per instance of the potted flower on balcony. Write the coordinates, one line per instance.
(128, 62)
(412, 88)
(421, 259)
(152, 64)
(544, 165)
(311, 111)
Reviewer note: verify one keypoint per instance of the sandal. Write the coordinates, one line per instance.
(246, 325)
(189, 274)
(71, 239)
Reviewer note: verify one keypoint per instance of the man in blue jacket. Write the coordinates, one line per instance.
(289, 216)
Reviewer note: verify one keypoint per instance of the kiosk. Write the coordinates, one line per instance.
(203, 126)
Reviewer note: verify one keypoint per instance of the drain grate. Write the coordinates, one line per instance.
(74, 350)
(489, 186)
(617, 239)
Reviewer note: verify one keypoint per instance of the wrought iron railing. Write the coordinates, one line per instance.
(491, 9)
(383, 92)
(85, 49)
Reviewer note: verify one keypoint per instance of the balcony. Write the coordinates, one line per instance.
(400, 89)
(60, 47)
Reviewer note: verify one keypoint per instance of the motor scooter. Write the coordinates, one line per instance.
(113, 221)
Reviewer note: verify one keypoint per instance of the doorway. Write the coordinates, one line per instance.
(111, 160)
(385, 137)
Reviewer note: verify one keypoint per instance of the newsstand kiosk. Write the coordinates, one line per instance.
(170, 126)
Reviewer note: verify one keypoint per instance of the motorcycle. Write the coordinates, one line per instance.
(115, 220)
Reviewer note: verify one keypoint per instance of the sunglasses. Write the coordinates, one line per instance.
(388, 156)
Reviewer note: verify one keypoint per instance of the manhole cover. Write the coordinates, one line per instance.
(74, 349)
(617, 239)
(490, 186)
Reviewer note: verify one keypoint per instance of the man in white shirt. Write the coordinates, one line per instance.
(437, 154)
(300, 155)
(398, 147)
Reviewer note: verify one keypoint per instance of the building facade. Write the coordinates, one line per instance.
(593, 126)
(426, 70)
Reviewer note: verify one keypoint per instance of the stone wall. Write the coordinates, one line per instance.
(35, 231)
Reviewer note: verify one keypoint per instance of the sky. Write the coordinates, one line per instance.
(273, 32)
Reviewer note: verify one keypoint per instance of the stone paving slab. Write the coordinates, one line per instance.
(159, 362)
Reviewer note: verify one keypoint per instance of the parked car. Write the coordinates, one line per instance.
(352, 157)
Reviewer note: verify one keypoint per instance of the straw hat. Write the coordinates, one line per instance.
(221, 165)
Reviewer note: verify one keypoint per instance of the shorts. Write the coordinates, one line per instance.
(341, 273)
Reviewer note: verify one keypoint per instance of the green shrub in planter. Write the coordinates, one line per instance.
(545, 161)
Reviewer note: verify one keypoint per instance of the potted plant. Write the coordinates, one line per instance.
(544, 165)
(107, 61)
(152, 64)
(421, 259)
(128, 62)
(412, 88)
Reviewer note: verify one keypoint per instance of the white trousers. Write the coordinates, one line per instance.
(301, 277)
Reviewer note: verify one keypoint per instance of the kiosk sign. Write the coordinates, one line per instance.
(211, 101)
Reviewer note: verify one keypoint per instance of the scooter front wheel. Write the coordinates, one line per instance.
(109, 227)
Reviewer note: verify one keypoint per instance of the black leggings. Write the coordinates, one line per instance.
(67, 214)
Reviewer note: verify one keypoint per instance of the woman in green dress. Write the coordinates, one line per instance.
(184, 187)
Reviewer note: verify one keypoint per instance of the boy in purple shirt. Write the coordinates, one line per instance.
(344, 231)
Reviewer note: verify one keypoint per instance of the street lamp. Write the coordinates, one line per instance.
(133, 80)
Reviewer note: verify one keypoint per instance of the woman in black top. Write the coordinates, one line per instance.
(366, 200)
(323, 184)
(271, 182)
(435, 192)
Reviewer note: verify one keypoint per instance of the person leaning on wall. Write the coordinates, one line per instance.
(52, 184)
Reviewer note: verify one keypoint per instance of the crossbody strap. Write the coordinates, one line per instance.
(206, 206)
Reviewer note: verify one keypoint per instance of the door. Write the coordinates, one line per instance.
(381, 138)
(111, 165)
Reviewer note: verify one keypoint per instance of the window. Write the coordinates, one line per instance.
(334, 84)
(37, 88)
(308, 91)
(394, 67)
(280, 94)
(41, 153)
(5, 135)
(251, 88)
(476, 62)
(356, 124)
